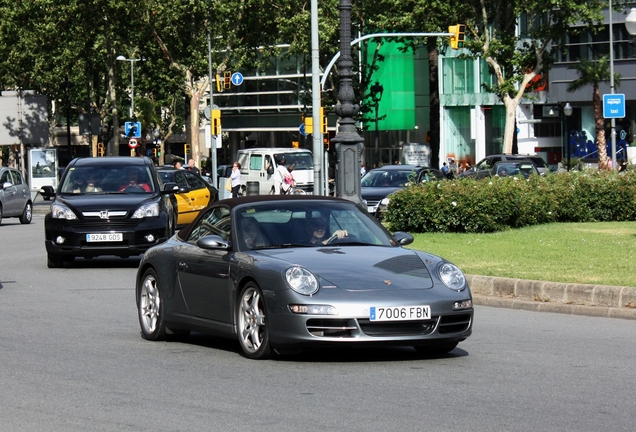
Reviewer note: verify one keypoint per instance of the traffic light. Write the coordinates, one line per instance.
(216, 122)
(309, 124)
(227, 80)
(458, 35)
(218, 82)
(323, 121)
(326, 142)
(100, 149)
(186, 149)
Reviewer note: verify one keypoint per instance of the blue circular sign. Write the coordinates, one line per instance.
(237, 78)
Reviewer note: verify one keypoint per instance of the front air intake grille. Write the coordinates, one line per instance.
(105, 224)
(399, 328)
(341, 328)
(454, 323)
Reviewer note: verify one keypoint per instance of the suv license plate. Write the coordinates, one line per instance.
(110, 237)
(400, 313)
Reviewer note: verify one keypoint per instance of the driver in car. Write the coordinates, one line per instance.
(317, 229)
(132, 177)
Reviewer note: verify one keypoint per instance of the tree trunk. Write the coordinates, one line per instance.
(509, 129)
(599, 122)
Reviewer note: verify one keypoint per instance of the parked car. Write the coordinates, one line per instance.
(285, 273)
(483, 167)
(15, 196)
(108, 206)
(194, 193)
(377, 184)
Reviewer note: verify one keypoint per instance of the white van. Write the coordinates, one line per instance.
(254, 173)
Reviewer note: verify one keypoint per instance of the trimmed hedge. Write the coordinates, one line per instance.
(499, 203)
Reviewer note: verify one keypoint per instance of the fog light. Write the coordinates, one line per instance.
(464, 304)
(150, 238)
(60, 240)
(313, 309)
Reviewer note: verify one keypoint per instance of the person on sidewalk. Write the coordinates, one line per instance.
(235, 178)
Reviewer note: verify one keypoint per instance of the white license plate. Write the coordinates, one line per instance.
(110, 237)
(400, 313)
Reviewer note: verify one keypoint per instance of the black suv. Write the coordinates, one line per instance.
(483, 167)
(108, 206)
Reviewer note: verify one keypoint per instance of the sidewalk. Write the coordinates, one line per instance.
(576, 299)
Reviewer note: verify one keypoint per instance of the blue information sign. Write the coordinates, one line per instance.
(237, 78)
(132, 129)
(614, 105)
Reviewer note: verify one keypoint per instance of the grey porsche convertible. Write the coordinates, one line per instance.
(289, 273)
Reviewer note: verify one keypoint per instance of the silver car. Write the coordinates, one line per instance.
(15, 196)
(286, 273)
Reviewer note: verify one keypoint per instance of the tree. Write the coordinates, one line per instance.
(518, 39)
(593, 73)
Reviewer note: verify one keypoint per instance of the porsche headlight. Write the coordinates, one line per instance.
(60, 211)
(147, 210)
(452, 276)
(301, 280)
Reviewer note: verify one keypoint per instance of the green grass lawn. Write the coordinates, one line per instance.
(590, 253)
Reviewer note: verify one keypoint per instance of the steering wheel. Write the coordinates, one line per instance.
(348, 239)
(134, 188)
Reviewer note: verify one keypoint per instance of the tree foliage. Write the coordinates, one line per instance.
(516, 57)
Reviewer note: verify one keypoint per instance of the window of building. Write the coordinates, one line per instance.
(458, 76)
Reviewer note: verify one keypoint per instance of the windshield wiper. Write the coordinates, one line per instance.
(281, 246)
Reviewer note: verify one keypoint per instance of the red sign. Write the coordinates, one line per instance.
(132, 143)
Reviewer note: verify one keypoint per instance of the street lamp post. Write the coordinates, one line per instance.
(349, 143)
(567, 111)
(132, 82)
(612, 90)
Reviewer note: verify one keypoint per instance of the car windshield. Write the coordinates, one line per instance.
(282, 224)
(381, 178)
(107, 179)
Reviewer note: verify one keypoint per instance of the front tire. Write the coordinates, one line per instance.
(27, 214)
(253, 333)
(150, 308)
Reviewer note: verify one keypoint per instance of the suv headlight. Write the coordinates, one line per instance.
(452, 276)
(147, 210)
(60, 211)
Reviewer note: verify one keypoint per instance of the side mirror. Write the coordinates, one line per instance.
(170, 187)
(403, 238)
(47, 192)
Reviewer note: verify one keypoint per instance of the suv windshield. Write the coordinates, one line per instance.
(299, 160)
(95, 179)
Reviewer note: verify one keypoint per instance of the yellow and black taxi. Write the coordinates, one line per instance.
(108, 206)
(193, 195)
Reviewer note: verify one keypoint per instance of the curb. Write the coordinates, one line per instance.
(574, 299)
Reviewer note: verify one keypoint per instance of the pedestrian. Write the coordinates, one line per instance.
(235, 178)
(177, 165)
(280, 176)
(452, 168)
(363, 170)
(193, 167)
(445, 169)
